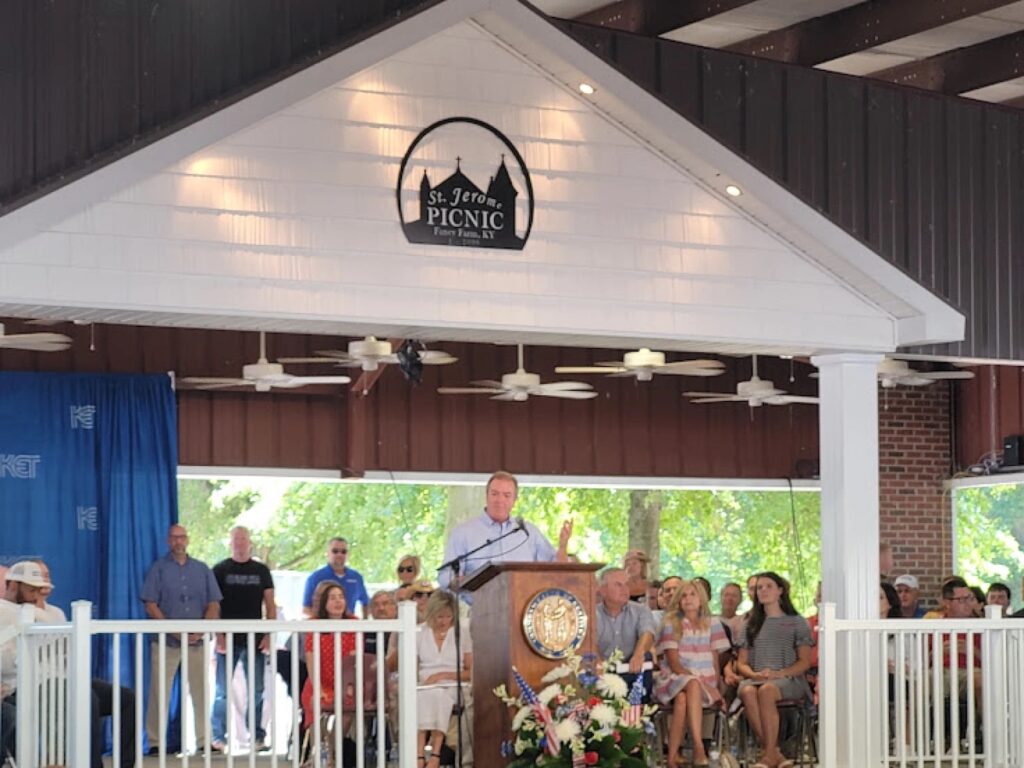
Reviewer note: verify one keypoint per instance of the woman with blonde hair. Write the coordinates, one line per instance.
(693, 645)
(408, 571)
(435, 654)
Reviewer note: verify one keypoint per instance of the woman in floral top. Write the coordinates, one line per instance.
(693, 645)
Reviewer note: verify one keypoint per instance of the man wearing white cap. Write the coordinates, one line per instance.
(24, 581)
(26, 584)
(908, 589)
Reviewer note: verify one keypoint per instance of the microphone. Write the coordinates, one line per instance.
(522, 524)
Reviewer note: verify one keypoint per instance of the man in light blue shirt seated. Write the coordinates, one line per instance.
(526, 545)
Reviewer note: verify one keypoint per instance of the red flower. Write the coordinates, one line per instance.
(617, 736)
(590, 758)
(594, 701)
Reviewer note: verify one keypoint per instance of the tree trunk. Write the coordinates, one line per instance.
(644, 527)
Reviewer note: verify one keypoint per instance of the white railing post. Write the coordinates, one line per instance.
(27, 718)
(80, 684)
(994, 721)
(407, 685)
(828, 712)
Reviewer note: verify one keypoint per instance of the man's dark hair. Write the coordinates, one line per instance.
(950, 586)
(998, 586)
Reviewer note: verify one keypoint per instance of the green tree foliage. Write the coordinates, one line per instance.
(721, 535)
(381, 523)
(209, 515)
(989, 534)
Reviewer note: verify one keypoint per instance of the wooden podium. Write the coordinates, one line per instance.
(501, 592)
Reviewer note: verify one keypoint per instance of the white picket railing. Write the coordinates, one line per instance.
(54, 665)
(888, 699)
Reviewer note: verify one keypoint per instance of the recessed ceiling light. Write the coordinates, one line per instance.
(733, 190)
(586, 89)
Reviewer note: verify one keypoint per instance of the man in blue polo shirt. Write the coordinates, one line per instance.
(337, 571)
(525, 545)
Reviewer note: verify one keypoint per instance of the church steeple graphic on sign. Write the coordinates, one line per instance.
(472, 186)
(459, 212)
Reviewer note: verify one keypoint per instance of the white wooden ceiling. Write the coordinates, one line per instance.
(762, 16)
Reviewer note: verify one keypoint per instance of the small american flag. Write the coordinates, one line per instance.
(635, 708)
(553, 745)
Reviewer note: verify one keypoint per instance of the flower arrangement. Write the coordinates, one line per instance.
(584, 718)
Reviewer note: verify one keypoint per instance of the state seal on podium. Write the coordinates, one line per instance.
(554, 623)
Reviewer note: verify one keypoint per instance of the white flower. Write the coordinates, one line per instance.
(604, 714)
(567, 730)
(549, 693)
(521, 715)
(612, 685)
(522, 746)
(563, 670)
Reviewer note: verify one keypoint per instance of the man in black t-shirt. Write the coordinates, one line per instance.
(248, 593)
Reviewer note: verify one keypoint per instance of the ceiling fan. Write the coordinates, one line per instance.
(519, 385)
(34, 342)
(369, 354)
(643, 364)
(263, 376)
(893, 373)
(754, 392)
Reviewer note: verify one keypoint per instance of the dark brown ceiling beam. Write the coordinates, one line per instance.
(963, 69)
(656, 17)
(859, 27)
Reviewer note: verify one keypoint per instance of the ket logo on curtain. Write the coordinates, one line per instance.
(442, 199)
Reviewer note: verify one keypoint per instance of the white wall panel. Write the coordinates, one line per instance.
(295, 217)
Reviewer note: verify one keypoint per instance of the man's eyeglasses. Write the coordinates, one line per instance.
(418, 595)
(963, 599)
(339, 551)
(407, 569)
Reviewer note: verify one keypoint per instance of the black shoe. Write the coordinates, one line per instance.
(152, 751)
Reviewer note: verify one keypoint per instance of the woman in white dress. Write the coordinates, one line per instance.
(435, 653)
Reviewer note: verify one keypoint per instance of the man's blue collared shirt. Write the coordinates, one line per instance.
(351, 584)
(529, 545)
(180, 591)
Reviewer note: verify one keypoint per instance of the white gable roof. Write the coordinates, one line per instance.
(278, 212)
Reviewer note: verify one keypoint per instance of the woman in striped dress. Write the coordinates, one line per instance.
(693, 646)
(775, 654)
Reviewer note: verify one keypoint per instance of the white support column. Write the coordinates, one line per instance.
(80, 684)
(407, 685)
(848, 434)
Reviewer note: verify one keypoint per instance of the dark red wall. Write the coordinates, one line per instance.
(638, 429)
(989, 407)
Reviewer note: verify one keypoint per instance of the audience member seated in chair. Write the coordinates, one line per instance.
(437, 662)
(775, 653)
(328, 603)
(693, 646)
(624, 626)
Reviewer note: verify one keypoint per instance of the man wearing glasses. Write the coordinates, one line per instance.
(336, 570)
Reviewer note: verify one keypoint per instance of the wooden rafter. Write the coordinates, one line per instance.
(656, 17)
(859, 27)
(964, 69)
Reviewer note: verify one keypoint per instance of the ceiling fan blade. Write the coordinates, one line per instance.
(302, 381)
(469, 390)
(709, 394)
(222, 381)
(692, 368)
(789, 400)
(945, 375)
(630, 373)
(33, 347)
(489, 383)
(565, 394)
(436, 357)
(337, 354)
(38, 342)
(513, 396)
(306, 360)
(563, 386)
(589, 369)
(720, 399)
(907, 381)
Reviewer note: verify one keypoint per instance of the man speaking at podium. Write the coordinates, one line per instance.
(523, 541)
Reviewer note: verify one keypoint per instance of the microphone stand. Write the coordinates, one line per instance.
(456, 566)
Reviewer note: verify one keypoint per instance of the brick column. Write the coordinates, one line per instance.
(914, 460)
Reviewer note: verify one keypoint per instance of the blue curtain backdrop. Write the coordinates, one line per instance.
(88, 469)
